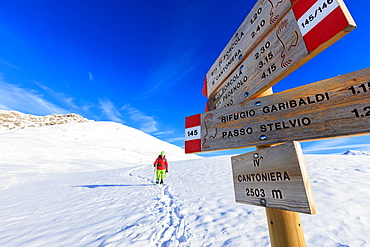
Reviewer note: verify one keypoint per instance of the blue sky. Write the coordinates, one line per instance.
(142, 63)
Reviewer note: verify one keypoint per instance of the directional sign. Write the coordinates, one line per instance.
(260, 20)
(331, 108)
(307, 29)
(274, 177)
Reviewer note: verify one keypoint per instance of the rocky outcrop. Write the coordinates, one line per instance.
(12, 120)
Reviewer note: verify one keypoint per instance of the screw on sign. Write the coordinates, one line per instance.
(306, 30)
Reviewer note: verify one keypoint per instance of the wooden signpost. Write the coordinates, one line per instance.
(331, 108)
(259, 22)
(276, 38)
(274, 177)
(296, 38)
(268, 64)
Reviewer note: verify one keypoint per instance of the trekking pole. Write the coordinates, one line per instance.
(154, 174)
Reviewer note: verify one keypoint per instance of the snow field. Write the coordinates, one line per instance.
(72, 185)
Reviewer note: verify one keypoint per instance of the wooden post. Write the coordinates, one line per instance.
(285, 227)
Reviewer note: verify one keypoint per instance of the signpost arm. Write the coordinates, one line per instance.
(285, 227)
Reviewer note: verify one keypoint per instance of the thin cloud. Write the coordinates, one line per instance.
(9, 65)
(3, 107)
(90, 76)
(169, 132)
(176, 139)
(324, 145)
(171, 70)
(340, 144)
(110, 111)
(181, 53)
(145, 123)
(16, 98)
(62, 98)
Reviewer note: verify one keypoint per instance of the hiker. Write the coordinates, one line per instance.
(162, 167)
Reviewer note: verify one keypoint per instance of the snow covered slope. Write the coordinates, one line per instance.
(90, 184)
(83, 147)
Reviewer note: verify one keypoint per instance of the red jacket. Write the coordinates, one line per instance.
(161, 163)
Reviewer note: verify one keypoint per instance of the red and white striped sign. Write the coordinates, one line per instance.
(192, 134)
(320, 20)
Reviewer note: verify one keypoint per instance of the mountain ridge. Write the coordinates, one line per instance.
(14, 120)
(354, 152)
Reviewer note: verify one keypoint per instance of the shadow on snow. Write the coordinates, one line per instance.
(109, 185)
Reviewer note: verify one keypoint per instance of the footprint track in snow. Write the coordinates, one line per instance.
(170, 227)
